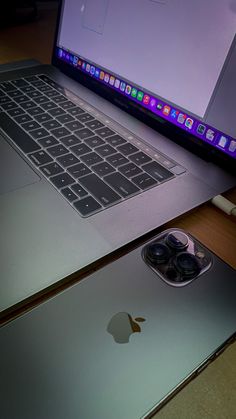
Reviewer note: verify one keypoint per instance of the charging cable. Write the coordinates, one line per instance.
(224, 204)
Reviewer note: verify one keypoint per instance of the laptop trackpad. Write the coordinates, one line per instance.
(14, 171)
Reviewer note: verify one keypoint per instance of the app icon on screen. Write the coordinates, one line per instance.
(117, 83)
(159, 106)
(92, 70)
(189, 123)
(174, 113)
(97, 73)
(134, 92)
(83, 65)
(146, 99)
(128, 89)
(166, 110)
(153, 103)
(201, 129)
(88, 68)
(75, 60)
(106, 78)
(122, 86)
(112, 81)
(181, 118)
(210, 134)
(102, 75)
(140, 96)
(222, 141)
(232, 146)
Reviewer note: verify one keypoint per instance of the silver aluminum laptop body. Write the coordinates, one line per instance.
(116, 345)
(44, 240)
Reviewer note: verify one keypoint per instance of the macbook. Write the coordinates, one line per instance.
(131, 126)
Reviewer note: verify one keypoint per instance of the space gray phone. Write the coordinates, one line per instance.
(122, 341)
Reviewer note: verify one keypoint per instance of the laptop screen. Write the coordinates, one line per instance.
(176, 59)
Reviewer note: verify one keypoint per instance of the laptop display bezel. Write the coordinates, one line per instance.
(185, 139)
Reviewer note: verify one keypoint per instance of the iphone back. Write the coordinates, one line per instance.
(117, 344)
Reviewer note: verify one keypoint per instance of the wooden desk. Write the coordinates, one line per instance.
(212, 394)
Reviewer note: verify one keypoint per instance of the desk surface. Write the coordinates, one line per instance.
(212, 394)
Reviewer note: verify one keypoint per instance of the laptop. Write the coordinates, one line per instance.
(121, 342)
(131, 126)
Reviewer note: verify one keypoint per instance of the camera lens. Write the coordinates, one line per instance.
(187, 264)
(177, 240)
(157, 253)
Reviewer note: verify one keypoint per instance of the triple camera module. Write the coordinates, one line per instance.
(177, 257)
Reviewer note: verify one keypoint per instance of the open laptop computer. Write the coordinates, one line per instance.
(91, 146)
(118, 344)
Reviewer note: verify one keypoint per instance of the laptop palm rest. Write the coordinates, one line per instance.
(15, 173)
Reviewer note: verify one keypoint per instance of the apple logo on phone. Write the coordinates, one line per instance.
(122, 326)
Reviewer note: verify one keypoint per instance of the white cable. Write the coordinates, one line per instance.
(224, 204)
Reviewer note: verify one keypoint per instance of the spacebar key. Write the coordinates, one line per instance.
(17, 134)
(102, 192)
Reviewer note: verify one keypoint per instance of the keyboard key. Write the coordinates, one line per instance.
(70, 140)
(51, 124)
(94, 141)
(42, 99)
(60, 132)
(122, 185)
(23, 118)
(104, 132)
(39, 133)
(9, 105)
(36, 94)
(84, 133)
(71, 196)
(116, 140)
(67, 104)
(102, 192)
(74, 125)
(29, 126)
(103, 169)
(130, 170)
(57, 150)
(16, 111)
(144, 181)
(105, 150)
(20, 83)
(127, 149)
(77, 188)
(40, 157)
(28, 89)
(65, 118)
(5, 99)
(35, 111)
(157, 171)
(67, 160)
(56, 111)
(28, 105)
(56, 97)
(140, 158)
(87, 206)
(51, 169)
(85, 117)
(95, 124)
(59, 98)
(44, 87)
(7, 86)
(117, 160)
(49, 106)
(21, 98)
(75, 111)
(62, 180)
(17, 134)
(43, 117)
(16, 93)
(79, 170)
(80, 149)
(91, 158)
(48, 141)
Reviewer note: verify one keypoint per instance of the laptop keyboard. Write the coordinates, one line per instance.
(91, 160)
